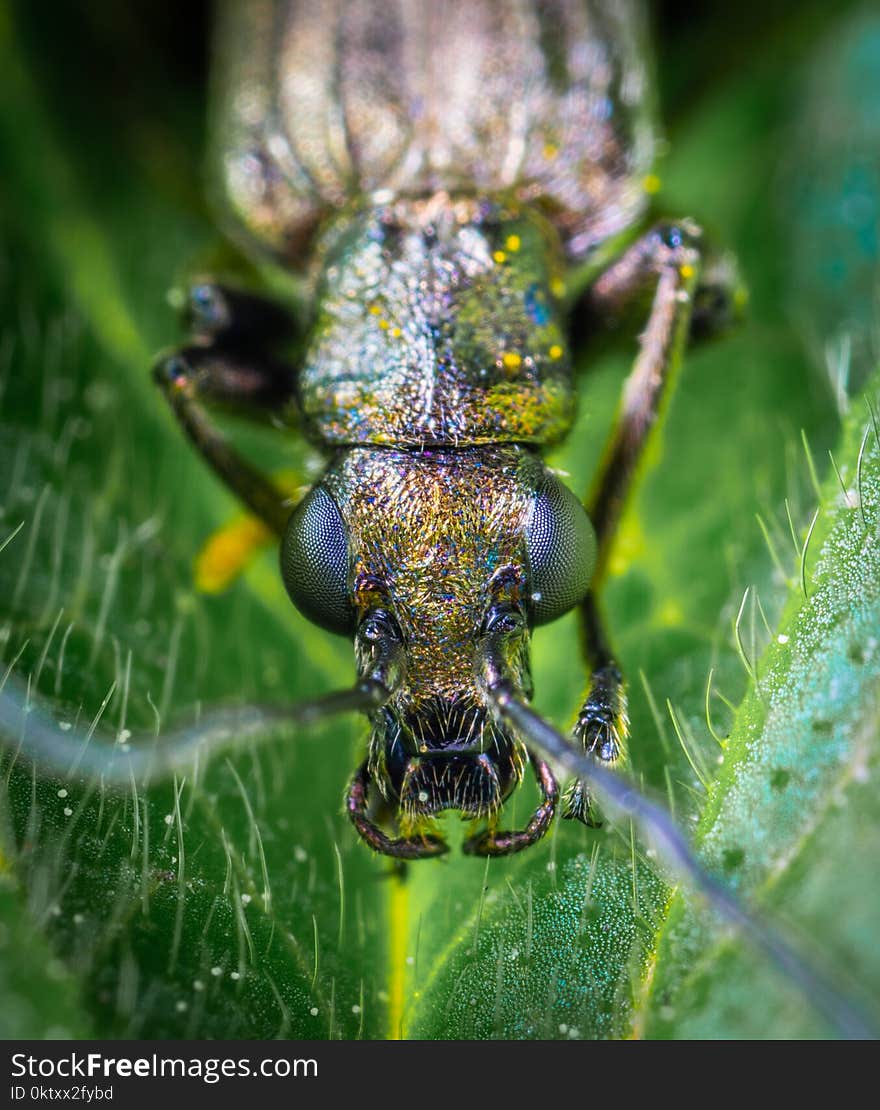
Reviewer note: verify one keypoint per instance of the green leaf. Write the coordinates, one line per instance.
(41, 998)
(792, 818)
(237, 902)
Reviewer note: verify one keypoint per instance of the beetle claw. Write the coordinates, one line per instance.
(578, 805)
(601, 731)
(602, 723)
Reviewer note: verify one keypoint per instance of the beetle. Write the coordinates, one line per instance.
(461, 189)
(463, 196)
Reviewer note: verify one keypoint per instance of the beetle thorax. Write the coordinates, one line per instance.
(439, 323)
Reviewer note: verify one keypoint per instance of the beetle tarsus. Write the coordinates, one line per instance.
(578, 805)
(602, 722)
(600, 731)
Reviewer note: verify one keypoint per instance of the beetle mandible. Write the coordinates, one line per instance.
(461, 186)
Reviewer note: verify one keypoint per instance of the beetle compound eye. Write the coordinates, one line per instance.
(561, 547)
(314, 563)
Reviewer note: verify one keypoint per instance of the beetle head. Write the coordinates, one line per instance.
(434, 549)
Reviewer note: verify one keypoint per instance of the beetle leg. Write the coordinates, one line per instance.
(219, 314)
(667, 259)
(602, 723)
(229, 360)
(228, 365)
(196, 373)
(620, 297)
(506, 843)
(243, 381)
(407, 847)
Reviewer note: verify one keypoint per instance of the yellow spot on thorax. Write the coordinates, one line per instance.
(652, 184)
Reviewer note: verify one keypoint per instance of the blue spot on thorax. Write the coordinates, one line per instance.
(537, 305)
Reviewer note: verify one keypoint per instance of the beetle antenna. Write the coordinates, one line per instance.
(622, 799)
(30, 732)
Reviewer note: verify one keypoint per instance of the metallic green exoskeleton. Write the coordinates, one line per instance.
(456, 185)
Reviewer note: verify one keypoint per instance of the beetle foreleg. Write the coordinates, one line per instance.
(667, 260)
(625, 801)
(242, 382)
(602, 723)
(406, 847)
(229, 360)
(506, 843)
(621, 294)
(228, 365)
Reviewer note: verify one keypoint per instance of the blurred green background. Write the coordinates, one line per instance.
(237, 902)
